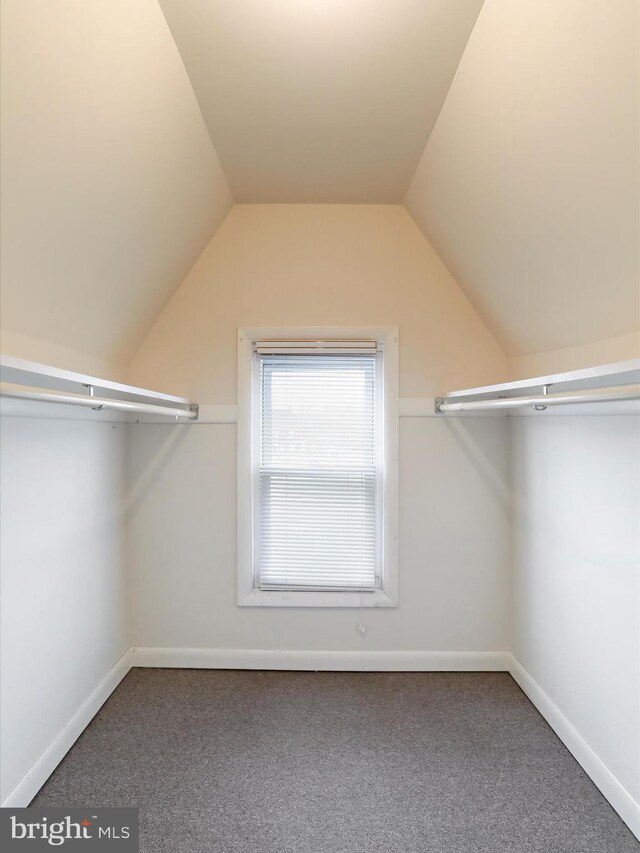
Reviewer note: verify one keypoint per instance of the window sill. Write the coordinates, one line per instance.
(262, 598)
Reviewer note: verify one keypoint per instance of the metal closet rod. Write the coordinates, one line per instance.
(539, 402)
(99, 404)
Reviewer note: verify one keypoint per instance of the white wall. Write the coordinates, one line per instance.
(64, 618)
(337, 265)
(576, 585)
(454, 546)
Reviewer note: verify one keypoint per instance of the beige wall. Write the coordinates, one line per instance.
(320, 102)
(34, 349)
(317, 265)
(528, 192)
(529, 187)
(110, 185)
(608, 351)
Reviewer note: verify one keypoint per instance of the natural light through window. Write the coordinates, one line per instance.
(318, 466)
(319, 470)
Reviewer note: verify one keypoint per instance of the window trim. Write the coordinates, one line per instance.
(248, 594)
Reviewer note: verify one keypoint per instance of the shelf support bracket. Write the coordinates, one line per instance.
(545, 391)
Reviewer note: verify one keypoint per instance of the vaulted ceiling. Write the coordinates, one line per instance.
(528, 188)
(328, 101)
(129, 129)
(110, 185)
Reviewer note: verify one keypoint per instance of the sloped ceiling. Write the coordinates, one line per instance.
(317, 264)
(110, 185)
(529, 185)
(328, 101)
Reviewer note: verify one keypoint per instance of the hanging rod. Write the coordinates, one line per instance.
(99, 404)
(539, 402)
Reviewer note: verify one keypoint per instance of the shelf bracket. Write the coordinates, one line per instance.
(545, 391)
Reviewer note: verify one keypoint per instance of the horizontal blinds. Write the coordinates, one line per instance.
(317, 471)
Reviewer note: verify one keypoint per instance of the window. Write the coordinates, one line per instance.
(318, 495)
(316, 470)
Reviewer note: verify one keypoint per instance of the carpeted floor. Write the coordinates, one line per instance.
(291, 762)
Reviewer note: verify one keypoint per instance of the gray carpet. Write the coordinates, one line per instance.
(267, 762)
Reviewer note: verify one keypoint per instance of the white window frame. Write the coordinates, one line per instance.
(248, 594)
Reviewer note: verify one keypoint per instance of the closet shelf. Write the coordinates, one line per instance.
(40, 390)
(599, 386)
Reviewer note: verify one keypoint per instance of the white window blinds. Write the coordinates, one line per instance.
(318, 488)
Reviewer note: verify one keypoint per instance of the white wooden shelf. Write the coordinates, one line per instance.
(603, 376)
(33, 388)
(620, 375)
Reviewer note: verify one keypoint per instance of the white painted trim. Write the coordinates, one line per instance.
(286, 598)
(408, 407)
(390, 336)
(332, 661)
(417, 407)
(247, 594)
(617, 795)
(34, 779)
(245, 464)
(214, 413)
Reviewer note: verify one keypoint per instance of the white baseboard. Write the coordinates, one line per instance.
(337, 661)
(34, 779)
(620, 799)
(354, 661)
